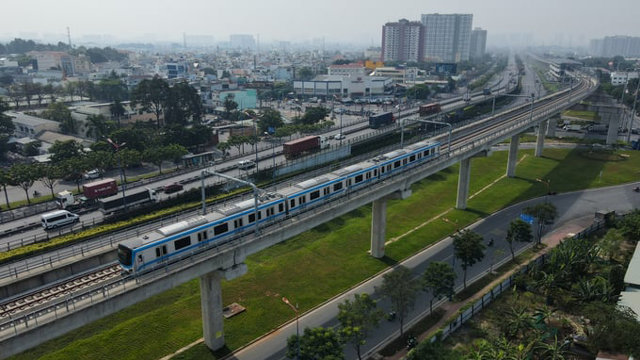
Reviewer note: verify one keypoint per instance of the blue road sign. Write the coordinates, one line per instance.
(527, 218)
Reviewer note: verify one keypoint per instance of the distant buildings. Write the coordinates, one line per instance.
(402, 41)
(627, 46)
(242, 41)
(478, 43)
(356, 69)
(621, 78)
(442, 38)
(447, 37)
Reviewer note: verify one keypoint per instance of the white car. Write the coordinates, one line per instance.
(339, 136)
(92, 174)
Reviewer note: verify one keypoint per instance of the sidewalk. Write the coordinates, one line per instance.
(451, 308)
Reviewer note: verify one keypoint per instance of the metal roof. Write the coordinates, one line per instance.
(632, 277)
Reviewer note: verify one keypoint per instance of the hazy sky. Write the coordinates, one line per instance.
(299, 20)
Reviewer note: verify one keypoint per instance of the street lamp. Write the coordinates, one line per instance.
(255, 132)
(116, 148)
(295, 310)
(273, 149)
(547, 182)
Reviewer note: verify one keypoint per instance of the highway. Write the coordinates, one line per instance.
(576, 210)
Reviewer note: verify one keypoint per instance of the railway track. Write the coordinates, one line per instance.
(32, 300)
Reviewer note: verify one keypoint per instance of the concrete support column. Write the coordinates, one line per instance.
(463, 184)
(513, 155)
(614, 121)
(211, 302)
(551, 129)
(378, 227)
(542, 128)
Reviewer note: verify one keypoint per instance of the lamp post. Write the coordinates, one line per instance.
(547, 182)
(429, 122)
(295, 310)
(116, 148)
(255, 132)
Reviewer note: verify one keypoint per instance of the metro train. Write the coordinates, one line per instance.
(176, 241)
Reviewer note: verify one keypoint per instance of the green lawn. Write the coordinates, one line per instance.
(582, 114)
(323, 262)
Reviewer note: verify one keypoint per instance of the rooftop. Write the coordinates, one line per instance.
(29, 120)
(632, 277)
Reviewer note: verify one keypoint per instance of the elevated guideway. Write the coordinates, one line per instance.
(227, 260)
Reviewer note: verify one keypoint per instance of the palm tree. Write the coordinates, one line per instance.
(517, 322)
(556, 350)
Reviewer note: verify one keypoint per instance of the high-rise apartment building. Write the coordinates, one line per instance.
(628, 46)
(402, 41)
(447, 37)
(242, 41)
(478, 43)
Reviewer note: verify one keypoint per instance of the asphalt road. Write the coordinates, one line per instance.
(573, 208)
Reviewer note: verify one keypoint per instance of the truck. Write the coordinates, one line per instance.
(101, 188)
(570, 127)
(131, 200)
(90, 192)
(600, 128)
(429, 109)
(298, 147)
(380, 120)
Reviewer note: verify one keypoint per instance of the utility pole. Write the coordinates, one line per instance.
(69, 36)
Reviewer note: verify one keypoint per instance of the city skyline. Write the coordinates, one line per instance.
(360, 22)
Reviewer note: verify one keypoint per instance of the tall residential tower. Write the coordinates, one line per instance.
(402, 41)
(447, 37)
(478, 43)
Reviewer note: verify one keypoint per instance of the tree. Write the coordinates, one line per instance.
(73, 169)
(613, 328)
(64, 150)
(400, 287)
(519, 231)
(60, 112)
(439, 280)
(117, 110)
(6, 128)
(545, 213)
(313, 115)
(418, 92)
(101, 160)
(183, 104)
(357, 318)
(152, 96)
(305, 74)
(98, 127)
(49, 174)
(554, 350)
(630, 226)
(270, 120)
(316, 343)
(23, 176)
(229, 104)
(468, 247)
(5, 179)
(223, 146)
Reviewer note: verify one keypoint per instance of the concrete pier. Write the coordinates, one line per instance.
(211, 302)
(542, 129)
(378, 227)
(513, 156)
(551, 129)
(463, 184)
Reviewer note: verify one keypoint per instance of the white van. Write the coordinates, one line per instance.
(246, 164)
(58, 218)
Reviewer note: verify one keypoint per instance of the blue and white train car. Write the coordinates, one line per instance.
(176, 241)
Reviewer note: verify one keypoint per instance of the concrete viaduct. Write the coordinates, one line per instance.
(227, 260)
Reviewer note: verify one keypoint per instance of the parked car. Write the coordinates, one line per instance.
(92, 174)
(339, 136)
(246, 164)
(171, 188)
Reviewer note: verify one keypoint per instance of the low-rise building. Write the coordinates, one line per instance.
(31, 126)
(343, 86)
(621, 78)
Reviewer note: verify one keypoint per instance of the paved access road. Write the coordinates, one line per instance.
(576, 208)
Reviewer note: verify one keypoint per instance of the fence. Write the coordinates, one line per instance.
(487, 298)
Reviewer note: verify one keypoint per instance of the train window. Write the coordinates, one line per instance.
(412, 158)
(426, 152)
(396, 164)
(358, 179)
(337, 186)
(292, 203)
(326, 191)
(237, 223)
(182, 243)
(404, 161)
(270, 211)
(164, 249)
(280, 207)
(314, 195)
(302, 200)
(220, 229)
(382, 170)
(202, 236)
(375, 172)
(348, 182)
(259, 215)
(388, 167)
(157, 252)
(251, 218)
